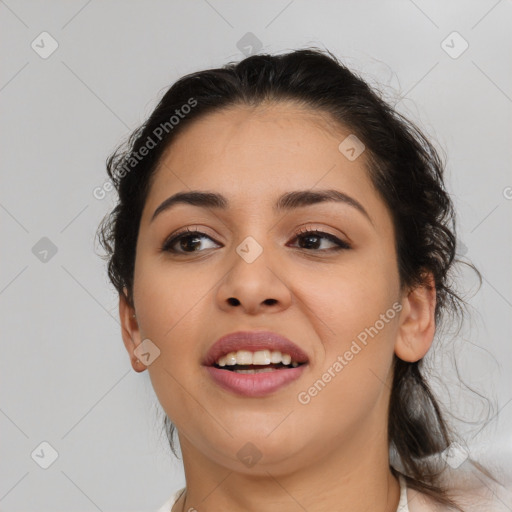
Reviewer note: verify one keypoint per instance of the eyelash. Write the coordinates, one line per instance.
(303, 233)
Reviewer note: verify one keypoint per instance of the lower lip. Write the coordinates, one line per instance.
(254, 384)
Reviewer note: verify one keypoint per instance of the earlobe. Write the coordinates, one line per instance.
(130, 332)
(417, 322)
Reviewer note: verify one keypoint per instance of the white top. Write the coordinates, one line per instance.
(402, 504)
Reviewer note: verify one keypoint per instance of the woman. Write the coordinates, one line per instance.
(281, 248)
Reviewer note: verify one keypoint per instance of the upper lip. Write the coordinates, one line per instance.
(253, 341)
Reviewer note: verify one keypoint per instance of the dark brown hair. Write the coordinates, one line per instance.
(403, 165)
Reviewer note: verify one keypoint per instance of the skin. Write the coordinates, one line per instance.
(331, 454)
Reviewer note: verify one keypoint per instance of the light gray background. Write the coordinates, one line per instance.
(66, 377)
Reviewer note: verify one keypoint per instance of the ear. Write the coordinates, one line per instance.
(130, 331)
(417, 322)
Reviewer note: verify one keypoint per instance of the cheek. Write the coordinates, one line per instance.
(343, 299)
(170, 307)
(353, 310)
(357, 324)
(166, 298)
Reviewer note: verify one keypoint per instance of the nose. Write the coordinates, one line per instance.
(255, 285)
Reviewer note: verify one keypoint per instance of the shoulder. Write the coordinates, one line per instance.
(167, 506)
(471, 489)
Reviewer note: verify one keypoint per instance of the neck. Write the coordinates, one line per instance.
(355, 476)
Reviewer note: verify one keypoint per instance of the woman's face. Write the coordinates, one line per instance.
(338, 306)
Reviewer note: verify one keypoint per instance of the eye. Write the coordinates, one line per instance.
(310, 235)
(187, 239)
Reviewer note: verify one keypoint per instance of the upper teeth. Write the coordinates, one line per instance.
(260, 357)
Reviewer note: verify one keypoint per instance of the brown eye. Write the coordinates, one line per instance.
(311, 235)
(188, 241)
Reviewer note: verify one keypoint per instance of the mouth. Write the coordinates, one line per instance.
(260, 361)
(254, 363)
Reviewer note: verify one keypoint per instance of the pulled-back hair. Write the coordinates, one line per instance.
(403, 165)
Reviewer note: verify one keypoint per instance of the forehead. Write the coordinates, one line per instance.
(285, 129)
(250, 153)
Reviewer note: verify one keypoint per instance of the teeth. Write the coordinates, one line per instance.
(286, 359)
(260, 357)
(230, 359)
(275, 357)
(244, 357)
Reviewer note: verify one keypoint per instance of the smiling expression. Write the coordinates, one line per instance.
(273, 174)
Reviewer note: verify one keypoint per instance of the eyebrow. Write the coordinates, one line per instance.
(286, 202)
